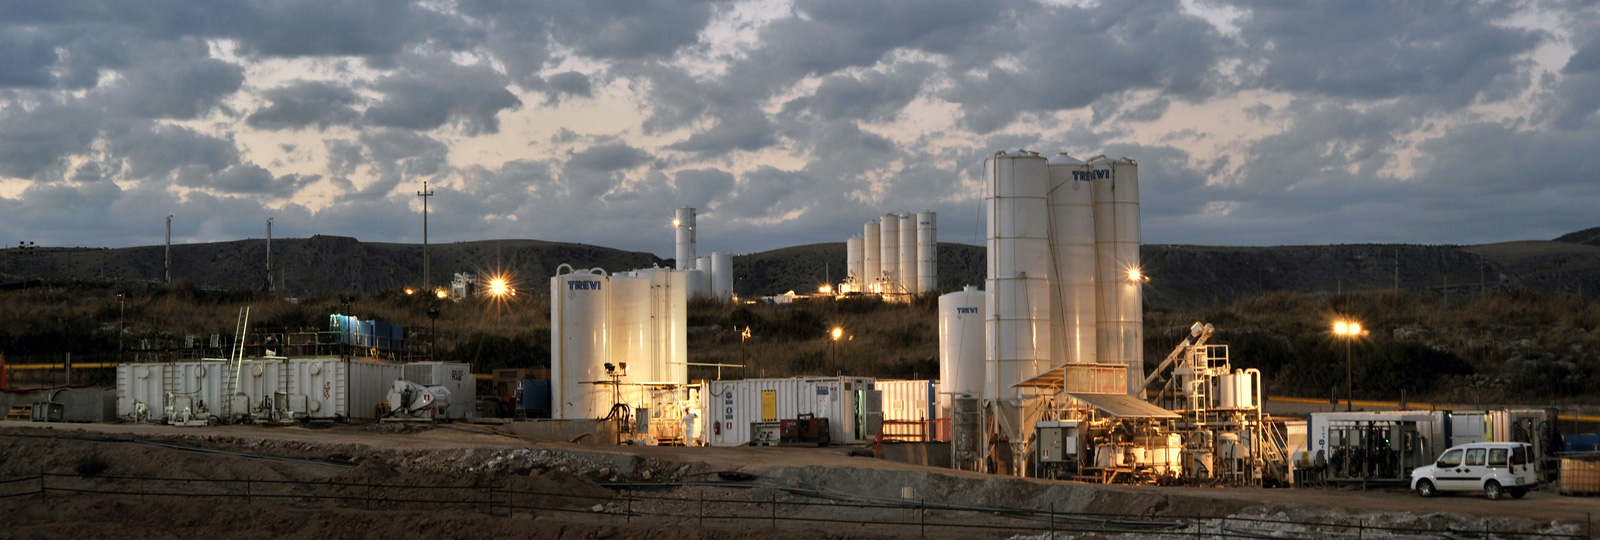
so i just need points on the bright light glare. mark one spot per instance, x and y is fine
(837, 333)
(498, 287)
(825, 289)
(410, 291)
(676, 223)
(1135, 275)
(441, 293)
(1347, 328)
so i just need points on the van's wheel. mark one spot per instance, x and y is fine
(1492, 490)
(1425, 488)
(1518, 493)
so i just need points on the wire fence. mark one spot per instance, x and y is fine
(771, 508)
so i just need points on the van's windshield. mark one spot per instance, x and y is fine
(1450, 459)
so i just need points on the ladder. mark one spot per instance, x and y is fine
(230, 385)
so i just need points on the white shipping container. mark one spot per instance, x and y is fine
(336, 388)
(198, 384)
(909, 400)
(731, 406)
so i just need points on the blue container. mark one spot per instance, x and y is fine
(535, 394)
(1582, 442)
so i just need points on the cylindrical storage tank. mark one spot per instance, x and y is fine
(1246, 393)
(697, 284)
(1017, 312)
(684, 223)
(704, 265)
(722, 276)
(961, 320)
(1227, 388)
(632, 325)
(871, 253)
(927, 252)
(889, 248)
(580, 308)
(1120, 320)
(676, 366)
(852, 263)
(908, 253)
(1072, 303)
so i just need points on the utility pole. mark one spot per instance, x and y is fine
(1396, 269)
(269, 254)
(169, 249)
(425, 193)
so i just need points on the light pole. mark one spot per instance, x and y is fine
(1349, 330)
(425, 194)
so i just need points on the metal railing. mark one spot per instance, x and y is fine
(778, 505)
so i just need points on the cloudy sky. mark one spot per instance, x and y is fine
(789, 122)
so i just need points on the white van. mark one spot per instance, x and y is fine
(1495, 468)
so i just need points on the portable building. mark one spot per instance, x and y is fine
(852, 406)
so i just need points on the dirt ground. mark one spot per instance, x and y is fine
(443, 480)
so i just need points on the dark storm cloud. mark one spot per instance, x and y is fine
(877, 96)
(304, 104)
(25, 58)
(607, 157)
(569, 83)
(177, 80)
(601, 29)
(245, 179)
(36, 142)
(1072, 56)
(432, 93)
(153, 151)
(378, 30)
(1578, 95)
(739, 130)
(699, 187)
(1452, 52)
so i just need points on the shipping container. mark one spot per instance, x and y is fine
(851, 405)
(331, 387)
(201, 386)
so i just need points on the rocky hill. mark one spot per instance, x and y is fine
(1180, 275)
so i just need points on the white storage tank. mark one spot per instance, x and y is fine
(908, 253)
(704, 265)
(871, 253)
(684, 224)
(722, 276)
(853, 264)
(633, 325)
(961, 320)
(927, 252)
(580, 309)
(697, 284)
(1120, 323)
(1072, 245)
(889, 247)
(1018, 287)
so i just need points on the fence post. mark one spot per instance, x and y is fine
(774, 496)
(1052, 520)
(922, 517)
(247, 490)
(369, 494)
(628, 512)
(702, 510)
(41, 483)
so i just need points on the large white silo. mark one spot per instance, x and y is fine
(704, 265)
(871, 253)
(722, 276)
(852, 259)
(927, 252)
(684, 224)
(961, 360)
(908, 253)
(580, 309)
(697, 284)
(668, 308)
(677, 360)
(1018, 286)
(1073, 309)
(633, 332)
(1119, 288)
(889, 247)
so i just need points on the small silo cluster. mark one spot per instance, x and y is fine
(708, 277)
(896, 254)
(1063, 285)
(614, 335)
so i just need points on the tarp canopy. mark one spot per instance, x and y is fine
(1123, 406)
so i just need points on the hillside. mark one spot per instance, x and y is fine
(1586, 236)
(1180, 275)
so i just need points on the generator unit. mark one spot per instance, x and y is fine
(807, 429)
